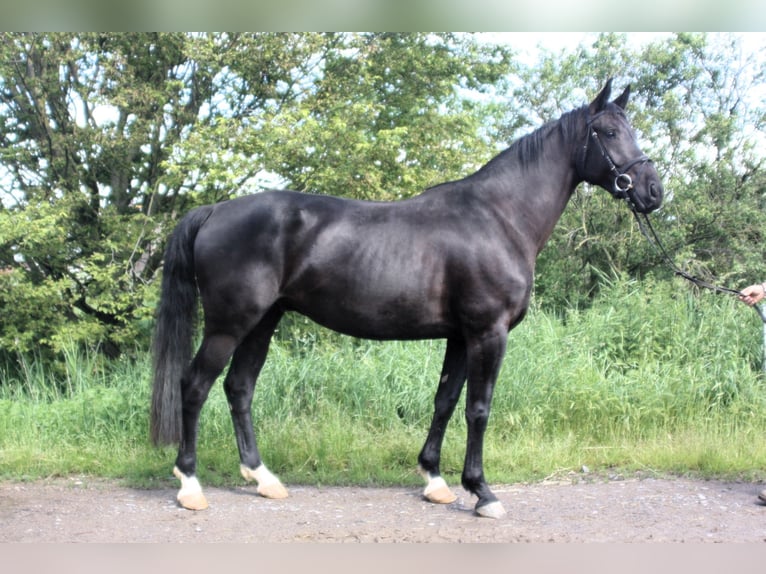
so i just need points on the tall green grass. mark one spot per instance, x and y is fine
(649, 378)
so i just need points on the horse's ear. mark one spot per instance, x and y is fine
(601, 99)
(622, 100)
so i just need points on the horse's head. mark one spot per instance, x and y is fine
(611, 157)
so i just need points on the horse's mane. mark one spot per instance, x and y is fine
(526, 150)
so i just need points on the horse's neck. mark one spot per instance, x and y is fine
(533, 198)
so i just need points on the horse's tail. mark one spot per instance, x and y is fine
(174, 328)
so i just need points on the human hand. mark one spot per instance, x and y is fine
(752, 294)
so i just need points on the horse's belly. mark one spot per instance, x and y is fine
(372, 316)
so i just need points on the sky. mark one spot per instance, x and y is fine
(530, 44)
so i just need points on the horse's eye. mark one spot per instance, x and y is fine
(611, 134)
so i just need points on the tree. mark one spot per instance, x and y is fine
(691, 109)
(106, 139)
(700, 89)
(87, 122)
(390, 115)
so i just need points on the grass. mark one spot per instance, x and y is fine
(645, 380)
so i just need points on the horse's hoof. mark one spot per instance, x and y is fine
(193, 501)
(437, 491)
(190, 496)
(269, 485)
(492, 510)
(275, 491)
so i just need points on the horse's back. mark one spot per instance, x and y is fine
(418, 268)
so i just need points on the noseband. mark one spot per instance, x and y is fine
(623, 183)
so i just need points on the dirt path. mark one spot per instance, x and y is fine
(634, 510)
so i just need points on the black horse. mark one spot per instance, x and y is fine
(455, 262)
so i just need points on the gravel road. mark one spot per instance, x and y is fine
(598, 510)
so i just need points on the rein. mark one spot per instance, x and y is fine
(654, 241)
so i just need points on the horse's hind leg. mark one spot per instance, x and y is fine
(240, 386)
(208, 363)
(453, 377)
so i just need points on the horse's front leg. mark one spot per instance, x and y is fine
(485, 355)
(450, 385)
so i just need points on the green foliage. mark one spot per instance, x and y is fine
(87, 121)
(109, 138)
(644, 359)
(647, 377)
(694, 114)
(388, 117)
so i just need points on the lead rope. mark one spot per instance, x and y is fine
(656, 244)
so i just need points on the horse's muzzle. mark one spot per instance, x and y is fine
(648, 197)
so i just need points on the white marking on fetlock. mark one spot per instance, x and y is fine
(436, 489)
(491, 510)
(269, 485)
(190, 496)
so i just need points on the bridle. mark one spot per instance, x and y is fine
(623, 183)
(623, 189)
